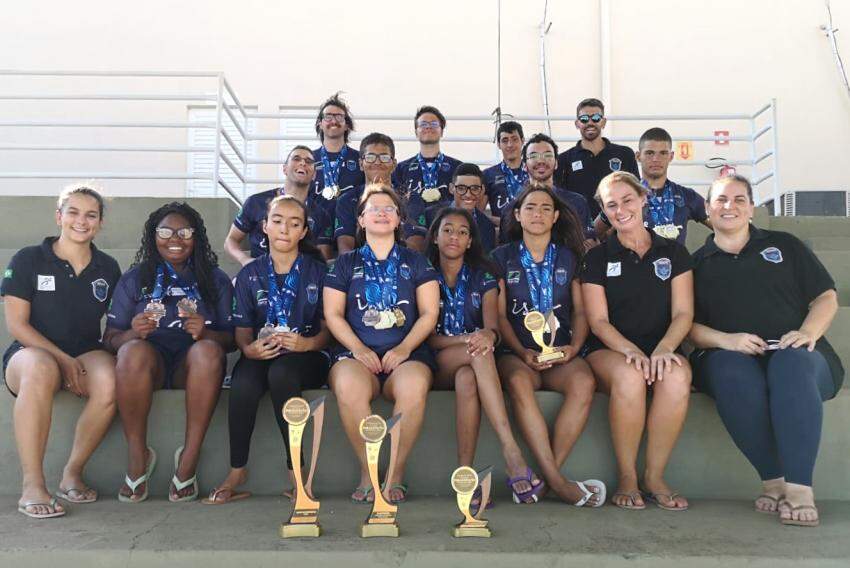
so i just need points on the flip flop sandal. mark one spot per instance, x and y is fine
(653, 498)
(775, 500)
(181, 485)
(134, 483)
(366, 491)
(632, 499)
(234, 496)
(65, 495)
(800, 523)
(533, 493)
(401, 487)
(22, 508)
(588, 494)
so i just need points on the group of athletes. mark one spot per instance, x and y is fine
(385, 278)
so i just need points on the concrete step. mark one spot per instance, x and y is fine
(808, 227)
(837, 262)
(27, 220)
(695, 465)
(711, 534)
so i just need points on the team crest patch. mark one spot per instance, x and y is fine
(351, 165)
(663, 268)
(100, 289)
(357, 273)
(561, 276)
(262, 297)
(513, 277)
(679, 200)
(476, 300)
(615, 164)
(404, 270)
(446, 166)
(772, 254)
(312, 293)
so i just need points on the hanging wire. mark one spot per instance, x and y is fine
(830, 33)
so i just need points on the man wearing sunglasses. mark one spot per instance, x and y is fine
(583, 166)
(423, 180)
(299, 169)
(337, 168)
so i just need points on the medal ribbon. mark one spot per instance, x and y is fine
(513, 181)
(381, 282)
(430, 171)
(453, 303)
(280, 301)
(539, 277)
(330, 169)
(159, 291)
(662, 208)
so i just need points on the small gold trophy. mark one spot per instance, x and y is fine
(465, 481)
(381, 521)
(538, 324)
(303, 522)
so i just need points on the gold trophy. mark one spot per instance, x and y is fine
(303, 522)
(381, 521)
(465, 481)
(538, 324)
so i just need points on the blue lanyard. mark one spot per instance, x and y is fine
(453, 303)
(330, 170)
(159, 291)
(280, 301)
(430, 171)
(381, 283)
(513, 181)
(539, 277)
(661, 209)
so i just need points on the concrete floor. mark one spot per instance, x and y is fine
(245, 534)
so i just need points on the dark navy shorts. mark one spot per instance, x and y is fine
(422, 354)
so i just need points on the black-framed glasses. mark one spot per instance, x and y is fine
(474, 189)
(595, 117)
(184, 233)
(371, 158)
(333, 117)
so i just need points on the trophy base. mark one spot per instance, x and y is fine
(546, 357)
(289, 530)
(480, 532)
(368, 530)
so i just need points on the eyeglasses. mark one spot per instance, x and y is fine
(307, 161)
(428, 124)
(166, 233)
(386, 209)
(595, 117)
(333, 117)
(541, 156)
(462, 189)
(371, 158)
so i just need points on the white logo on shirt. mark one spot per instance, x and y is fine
(46, 283)
(613, 269)
(577, 165)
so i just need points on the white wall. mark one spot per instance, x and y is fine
(666, 57)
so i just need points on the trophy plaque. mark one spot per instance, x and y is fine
(538, 324)
(465, 481)
(304, 520)
(382, 519)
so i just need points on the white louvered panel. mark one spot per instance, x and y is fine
(304, 128)
(203, 163)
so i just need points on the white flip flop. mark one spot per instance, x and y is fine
(133, 483)
(181, 485)
(602, 494)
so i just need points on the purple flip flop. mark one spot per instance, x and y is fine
(532, 493)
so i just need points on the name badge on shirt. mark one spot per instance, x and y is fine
(46, 283)
(613, 269)
(577, 165)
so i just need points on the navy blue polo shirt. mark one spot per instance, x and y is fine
(131, 298)
(687, 205)
(347, 275)
(345, 213)
(518, 298)
(250, 220)
(66, 308)
(486, 227)
(407, 179)
(497, 189)
(350, 176)
(577, 203)
(637, 290)
(251, 296)
(480, 282)
(765, 289)
(580, 171)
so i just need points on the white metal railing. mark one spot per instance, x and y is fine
(229, 109)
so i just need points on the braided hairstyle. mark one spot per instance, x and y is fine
(203, 260)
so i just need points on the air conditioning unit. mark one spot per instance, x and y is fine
(814, 203)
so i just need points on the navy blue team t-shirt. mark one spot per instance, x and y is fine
(407, 179)
(480, 282)
(518, 298)
(347, 275)
(350, 176)
(252, 296)
(497, 189)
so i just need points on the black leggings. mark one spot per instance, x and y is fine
(286, 376)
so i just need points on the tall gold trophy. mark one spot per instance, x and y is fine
(303, 522)
(538, 324)
(465, 481)
(382, 520)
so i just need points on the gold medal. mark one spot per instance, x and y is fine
(400, 318)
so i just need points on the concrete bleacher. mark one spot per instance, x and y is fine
(695, 467)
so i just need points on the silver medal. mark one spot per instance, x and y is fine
(155, 310)
(187, 306)
(267, 331)
(387, 320)
(431, 195)
(330, 192)
(371, 317)
(281, 329)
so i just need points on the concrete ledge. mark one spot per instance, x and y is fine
(705, 463)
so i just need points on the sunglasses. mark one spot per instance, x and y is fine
(166, 233)
(595, 117)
